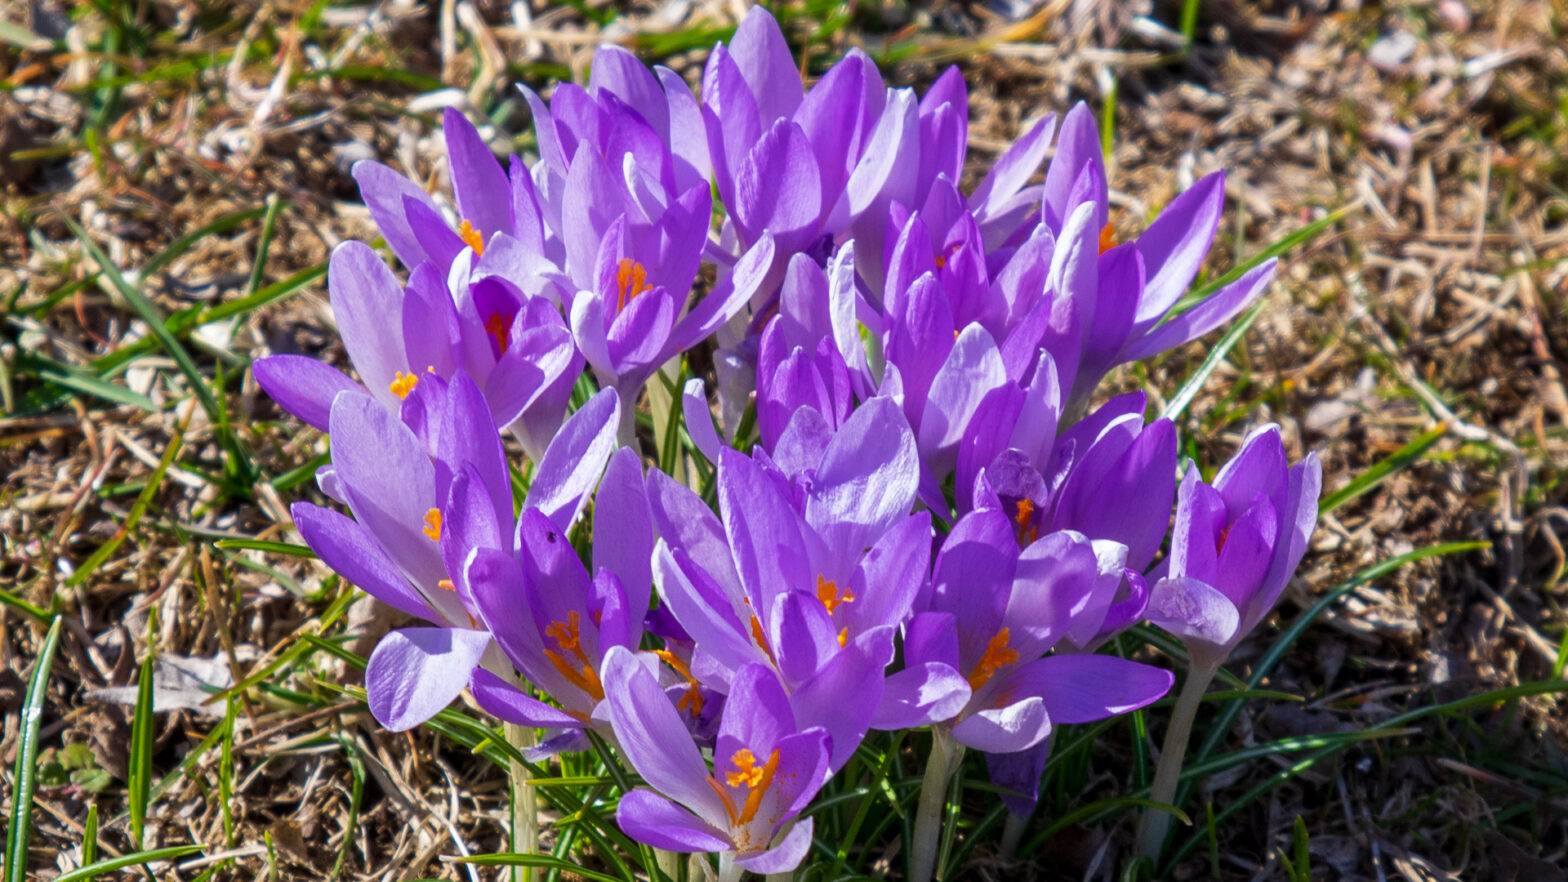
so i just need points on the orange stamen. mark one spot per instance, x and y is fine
(762, 640)
(495, 326)
(403, 384)
(761, 783)
(1027, 532)
(1107, 237)
(827, 592)
(631, 279)
(433, 525)
(843, 637)
(568, 639)
(446, 585)
(471, 237)
(693, 696)
(997, 656)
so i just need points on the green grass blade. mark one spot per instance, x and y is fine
(26, 777)
(1383, 468)
(546, 861)
(1193, 384)
(274, 205)
(287, 548)
(78, 380)
(149, 314)
(140, 858)
(131, 520)
(1274, 249)
(139, 777)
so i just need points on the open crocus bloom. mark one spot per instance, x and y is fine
(766, 769)
(994, 613)
(515, 347)
(1235, 545)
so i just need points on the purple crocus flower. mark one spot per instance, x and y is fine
(993, 614)
(810, 571)
(516, 347)
(555, 623)
(1235, 545)
(766, 770)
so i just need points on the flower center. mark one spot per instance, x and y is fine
(631, 279)
(568, 639)
(693, 697)
(828, 593)
(747, 776)
(495, 326)
(1107, 237)
(1027, 532)
(433, 525)
(997, 656)
(403, 384)
(472, 238)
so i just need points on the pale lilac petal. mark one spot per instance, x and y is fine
(867, 479)
(572, 465)
(1013, 169)
(1008, 729)
(653, 820)
(416, 672)
(354, 554)
(765, 61)
(1219, 308)
(302, 386)
(1083, 688)
(1195, 612)
(1173, 247)
(623, 523)
(510, 704)
(1078, 146)
(479, 185)
(384, 191)
(699, 419)
(366, 298)
(785, 856)
(919, 696)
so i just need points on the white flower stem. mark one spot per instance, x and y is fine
(945, 755)
(1156, 823)
(525, 802)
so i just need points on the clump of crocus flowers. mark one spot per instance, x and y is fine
(910, 514)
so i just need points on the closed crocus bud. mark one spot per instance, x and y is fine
(1234, 546)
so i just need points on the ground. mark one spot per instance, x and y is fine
(174, 174)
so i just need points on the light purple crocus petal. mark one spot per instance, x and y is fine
(1297, 522)
(688, 135)
(1007, 729)
(1174, 245)
(730, 295)
(509, 704)
(1013, 169)
(390, 482)
(383, 191)
(867, 479)
(765, 61)
(702, 608)
(699, 419)
(626, 77)
(653, 820)
(803, 442)
(764, 531)
(572, 465)
(416, 672)
(302, 386)
(685, 521)
(1077, 146)
(1144, 480)
(479, 185)
(1218, 309)
(785, 856)
(1259, 468)
(1197, 613)
(365, 299)
(842, 697)
(623, 524)
(920, 695)
(351, 552)
(469, 436)
(778, 188)
(1083, 688)
(971, 371)
(1247, 553)
(653, 738)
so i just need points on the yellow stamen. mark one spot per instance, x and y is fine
(403, 384)
(446, 584)
(495, 326)
(996, 657)
(1107, 237)
(762, 640)
(693, 697)
(1027, 532)
(631, 279)
(747, 773)
(433, 524)
(763, 781)
(843, 637)
(472, 238)
(827, 592)
(568, 639)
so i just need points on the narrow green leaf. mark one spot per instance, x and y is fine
(140, 858)
(288, 548)
(139, 783)
(1193, 384)
(26, 776)
(78, 380)
(149, 314)
(1383, 468)
(90, 836)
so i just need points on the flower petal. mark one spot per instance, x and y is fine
(416, 672)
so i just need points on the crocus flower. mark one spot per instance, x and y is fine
(994, 613)
(1235, 545)
(810, 571)
(555, 623)
(766, 770)
(516, 347)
